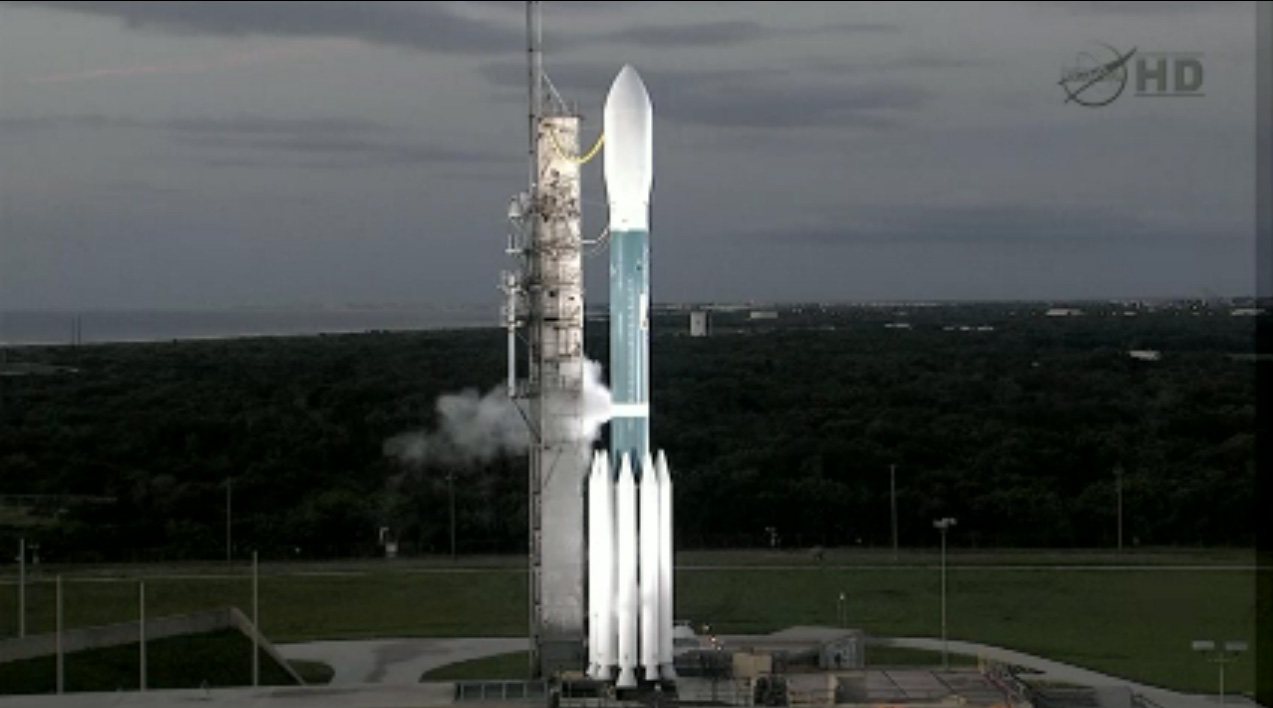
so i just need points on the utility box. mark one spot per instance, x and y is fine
(844, 652)
(748, 665)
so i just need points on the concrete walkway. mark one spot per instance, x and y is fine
(366, 696)
(396, 661)
(384, 673)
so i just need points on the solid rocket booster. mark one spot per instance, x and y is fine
(629, 175)
(665, 654)
(650, 586)
(628, 561)
(595, 564)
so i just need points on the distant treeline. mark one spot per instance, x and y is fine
(790, 424)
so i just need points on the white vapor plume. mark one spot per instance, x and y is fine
(596, 403)
(475, 428)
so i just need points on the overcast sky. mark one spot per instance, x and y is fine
(214, 154)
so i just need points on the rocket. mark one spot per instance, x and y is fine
(629, 176)
(630, 529)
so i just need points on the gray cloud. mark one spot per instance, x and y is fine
(710, 34)
(825, 155)
(990, 225)
(1131, 7)
(352, 151)
(258, 125)
(763, 98)
(779, 105)
(424, 26)
(324, 143)
(22, 125)
(318, 142)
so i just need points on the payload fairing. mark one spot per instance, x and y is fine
(630, 495)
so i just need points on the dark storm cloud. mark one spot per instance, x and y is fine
(996, 224)
(425, 26)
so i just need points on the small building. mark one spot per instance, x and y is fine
(1145, 354)
(1063, 312)
(764, 314)
(700, 324)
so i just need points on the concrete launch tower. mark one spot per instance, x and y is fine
(544, 314)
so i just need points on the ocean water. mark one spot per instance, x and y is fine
(31, 327)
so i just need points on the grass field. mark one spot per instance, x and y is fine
(1135, 623)
(218, 659)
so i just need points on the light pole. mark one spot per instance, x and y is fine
(1118, 485)
(256, 622)
(229, 482)
(1221, 653)
(892, 492)
(22, 588)
(450, 490)
(141, 635)
(943, 525)
(58, 642)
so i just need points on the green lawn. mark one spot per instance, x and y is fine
(1132, 623)
(501, 666)
(219, 659)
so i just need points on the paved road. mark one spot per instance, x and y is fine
(1057, 671)
(396, 661)
(383, 673)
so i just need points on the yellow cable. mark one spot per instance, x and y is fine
(552, 135)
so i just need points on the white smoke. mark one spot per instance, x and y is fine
(475, 428)
(596, 403)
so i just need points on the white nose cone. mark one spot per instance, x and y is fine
(629, 157)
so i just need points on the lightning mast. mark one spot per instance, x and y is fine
(544, 314)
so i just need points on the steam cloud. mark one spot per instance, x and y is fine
(474, 428)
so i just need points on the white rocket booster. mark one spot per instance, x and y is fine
(595, 567)
(626, 614)
(650, 569)
(665, 568)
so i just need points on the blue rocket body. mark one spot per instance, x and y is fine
(630, 343)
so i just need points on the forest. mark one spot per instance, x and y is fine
(1018, 424)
